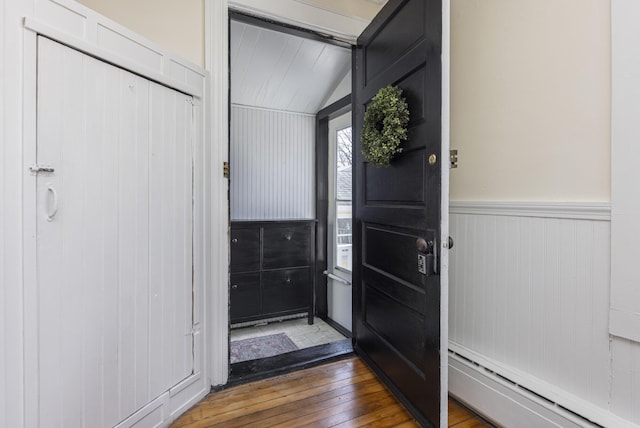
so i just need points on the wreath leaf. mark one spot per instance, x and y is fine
(385, 126)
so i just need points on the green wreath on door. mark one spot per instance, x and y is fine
(385, 126)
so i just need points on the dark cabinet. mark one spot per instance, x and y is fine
(272, 266)
(285, 289)
(245, 249)
(286, 245)
(245, 288)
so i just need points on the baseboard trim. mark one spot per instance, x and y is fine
(507, 399)
(598, 211)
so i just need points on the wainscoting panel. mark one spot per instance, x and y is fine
(529, 293)
(625, 377)
(272, 164)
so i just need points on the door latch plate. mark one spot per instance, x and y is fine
(422, 263)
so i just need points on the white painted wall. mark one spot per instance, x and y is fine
(530, 100)
(272, 164)
(176, 26)
(74, 25)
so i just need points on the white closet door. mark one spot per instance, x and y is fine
(114, 239)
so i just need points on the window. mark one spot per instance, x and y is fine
(343, 229)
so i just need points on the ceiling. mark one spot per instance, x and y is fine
(279, 71)
(364, 9)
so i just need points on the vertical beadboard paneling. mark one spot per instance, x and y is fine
(128, 241)
(272, 164)
(109, 221)
(625, 395)
(115, 264)
(531, 293)
(4, 318)
(93, 333)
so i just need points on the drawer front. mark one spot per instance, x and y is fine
(286, 290)
(286, 246)
(245, 250)
(244, 296)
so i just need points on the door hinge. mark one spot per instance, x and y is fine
(453, 158)
(225, 169)
(35, 169)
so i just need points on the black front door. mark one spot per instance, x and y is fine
(397, 211)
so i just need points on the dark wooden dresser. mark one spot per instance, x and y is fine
(272, 269)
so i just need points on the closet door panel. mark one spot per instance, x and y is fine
(114, 262)
(133, 241)
(60, 304)
(170, 221)
(170, 231)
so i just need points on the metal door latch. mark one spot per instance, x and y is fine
(453, 158)
(35, 169)
(427, 257)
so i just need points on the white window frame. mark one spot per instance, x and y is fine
(336, 124)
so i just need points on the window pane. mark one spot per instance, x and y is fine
(343, 235)
(343, 199)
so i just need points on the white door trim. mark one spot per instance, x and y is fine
(625, 132)
(217, 114)
(444, 211)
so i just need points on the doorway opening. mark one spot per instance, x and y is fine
(281, 80)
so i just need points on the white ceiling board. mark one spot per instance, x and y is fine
(281, 71)
(309, 16)
(362, 9)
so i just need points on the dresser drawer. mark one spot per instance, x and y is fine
(285, 246)
(286, 290)
(245, 296)
(245, 249)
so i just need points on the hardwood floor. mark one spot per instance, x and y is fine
(340, 394)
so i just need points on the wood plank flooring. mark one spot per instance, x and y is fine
(340, 394)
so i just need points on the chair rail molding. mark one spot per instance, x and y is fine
(566, 210)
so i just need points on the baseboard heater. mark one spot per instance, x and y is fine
(504, 401)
